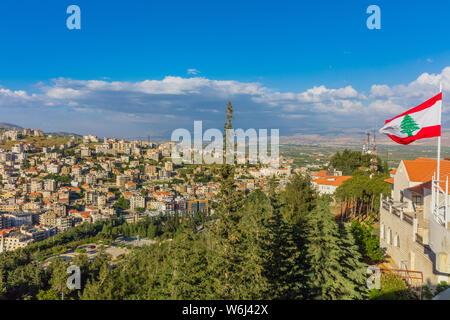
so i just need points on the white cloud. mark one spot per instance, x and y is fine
(192, 71)
(396, 99)
(177, 101)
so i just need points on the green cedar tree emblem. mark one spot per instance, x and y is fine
(408, 125)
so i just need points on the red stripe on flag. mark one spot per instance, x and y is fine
(427, 104)
(426, 132)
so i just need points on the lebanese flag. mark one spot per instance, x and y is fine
(423, 121)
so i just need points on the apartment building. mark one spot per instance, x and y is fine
(14, 240)
(151, 170)
(51, 219)
(137, 201)
(121, 180)
(414, 236)
(17, 219)
(54, 168)
(196, 205)
(49, 185)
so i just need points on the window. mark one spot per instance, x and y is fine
(417, 200)
(389, 236)
(397, 241)
(382, 231)
(412, 260)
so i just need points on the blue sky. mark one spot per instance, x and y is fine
(267, 56)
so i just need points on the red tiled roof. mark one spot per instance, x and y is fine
(422, 170)
(6, 231)
(321, 173)
(332, 180)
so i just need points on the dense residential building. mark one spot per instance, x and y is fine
(51, 219)
(137, 202)
(13, 240)
(49, 189)
(121, 180)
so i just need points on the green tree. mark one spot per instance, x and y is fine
(226, 247)
(58, 276)
(190, 272)
(298, 199)
(361, 195)
(256, 241)
(284, 264)
(348, 161)
(368, 243)
(49, 294)
(122, 204)
(333, 270)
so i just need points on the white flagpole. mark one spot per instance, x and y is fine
(438, 158)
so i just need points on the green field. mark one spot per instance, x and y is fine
(304, 155)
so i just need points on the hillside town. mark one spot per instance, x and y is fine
(50, 184)
(47, 190)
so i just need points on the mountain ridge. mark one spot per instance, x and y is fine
(9, 126)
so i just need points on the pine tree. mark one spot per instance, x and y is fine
(58, 279)
(104, 287)
(49, 294)
(333, 269)
(298, 199)
(356, 270)
(225, 246)
(284, 262)
(190, 267)
(256, 236)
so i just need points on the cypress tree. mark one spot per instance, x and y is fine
(225, 245)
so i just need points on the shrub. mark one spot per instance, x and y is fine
(392, 288)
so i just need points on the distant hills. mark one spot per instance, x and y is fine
(336, 139)
(9, 126)
(355, 139)
(64, 134)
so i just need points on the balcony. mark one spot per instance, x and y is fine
(414, 218)
(397, 208)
